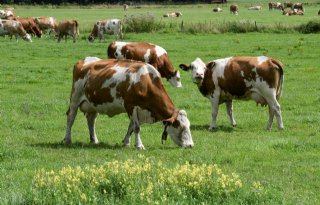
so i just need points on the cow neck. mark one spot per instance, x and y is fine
(206, 86)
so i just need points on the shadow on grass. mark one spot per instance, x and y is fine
(221, 128)
(78, 145)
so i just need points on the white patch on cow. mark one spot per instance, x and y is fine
(218, 71)
(160, 51)
(262, 59)
(146, 56)
(90, 59)
(176, 80)
(242, 73)
(119, 46)
(51, 21)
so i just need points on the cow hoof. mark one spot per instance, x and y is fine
(234, 125)
(67, 142)
(212, 129)
(140, 147)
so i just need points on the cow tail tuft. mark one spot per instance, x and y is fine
(77, 27)
(281, 78)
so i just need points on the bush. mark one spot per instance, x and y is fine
(142, 23)
(310, 27)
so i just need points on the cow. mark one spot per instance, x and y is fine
(125, 7)
(29, 25)
(67, 27)
(255, 8)
(116, 86)
(275, 5)
(149, 53)
(13, 28)
(293, 12)
(298, 6)
(108, 26)
(46, 23)
(287, 5)
(234, 9)
(173, 14)
(243, 78)
(4, 14)
(217, 9)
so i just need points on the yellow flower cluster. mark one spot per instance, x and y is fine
(141, 180)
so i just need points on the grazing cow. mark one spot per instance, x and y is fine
(109, 26)
(275, 5)
(29, 25)
(255, 8)
(173, 14)
(217, 9)
(67, 27)
(46, 23)
(222, 80)
(298, 6)
(234, 9)
(149, 53)
(4, 14)
(116, 86)
(13, 28)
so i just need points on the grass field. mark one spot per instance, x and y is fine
(35, 85)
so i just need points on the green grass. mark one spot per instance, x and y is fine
(35, 85)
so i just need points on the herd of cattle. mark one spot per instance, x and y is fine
(291, 8)
(130, 81)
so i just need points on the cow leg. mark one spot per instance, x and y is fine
(74, 38)
(71, 115)
(229, 106)
(126, 140)
(215, 109)
(138, 142)
(91, 120)
(274, 109)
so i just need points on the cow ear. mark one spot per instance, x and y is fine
(184, 67)
(210, 65)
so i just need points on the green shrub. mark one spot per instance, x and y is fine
(142, 23)
(310, 27)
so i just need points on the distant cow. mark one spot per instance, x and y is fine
(298, 6)
(67, 27)
(173, 14)
(108, 26)
(217, 9)
(125, 7)
(275, 5)
(115, 86)
(255, 8)
(287, 5)
(256, 78)
(46, 23)
(4, 14)
(234, 9)
(149, 53)
(293, 12)
(29, 25)
(13, 28)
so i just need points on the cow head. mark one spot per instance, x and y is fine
(175, 80)
(178, 127)
(27, 38)
(94, 33)
(197, 68)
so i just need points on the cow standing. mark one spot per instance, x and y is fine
(115, 86)
(256, 78)
(67, 27)
(46, 23)
(29, 25)
(149, 53)
(234, 9)
(13, 28)
(108, 26)
(275, 5)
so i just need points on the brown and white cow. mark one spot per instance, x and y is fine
(29, 25)
(275, 5)
(67, 27)
(255, 8)
(116, 86)
(149, 53)
(293, 12)
(13, 28)
(298, 6)
(108, 26)
(287, 5)
(125, 7)
(256, 78)
(173, 14)
(217, 9)
(46, 23)
(234, 9)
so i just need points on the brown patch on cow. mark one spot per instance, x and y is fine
(29, 25)
(207, 86)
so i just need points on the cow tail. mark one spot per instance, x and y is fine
(77, 27)
(281, 78)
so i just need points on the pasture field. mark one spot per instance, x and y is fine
(35, 86)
